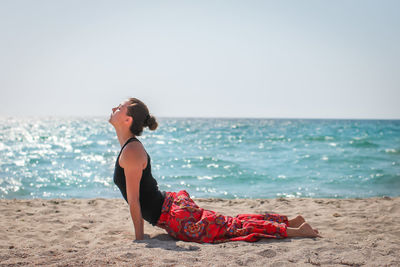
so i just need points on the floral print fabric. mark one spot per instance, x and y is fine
(184, 220)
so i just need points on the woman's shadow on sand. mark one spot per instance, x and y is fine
(166, 242)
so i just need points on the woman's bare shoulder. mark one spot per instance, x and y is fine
(133, 153)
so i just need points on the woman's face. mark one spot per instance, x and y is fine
(118, 114)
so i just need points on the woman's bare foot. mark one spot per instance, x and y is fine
(305, 230)
(296, 222)
(308, 231)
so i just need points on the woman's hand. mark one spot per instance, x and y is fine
(144, 238)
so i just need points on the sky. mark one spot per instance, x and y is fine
(234, 59)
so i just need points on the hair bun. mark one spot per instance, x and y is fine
(151, 122)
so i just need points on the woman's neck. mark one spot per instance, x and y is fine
(123, 136)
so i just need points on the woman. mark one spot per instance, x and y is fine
(175, 212)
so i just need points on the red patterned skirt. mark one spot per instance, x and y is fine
(184, 220)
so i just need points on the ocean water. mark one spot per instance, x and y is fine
(224, 158)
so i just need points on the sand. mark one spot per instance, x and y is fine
(99, 232)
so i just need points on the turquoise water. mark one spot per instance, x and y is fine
(225, 158)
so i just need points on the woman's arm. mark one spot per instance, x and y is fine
(137, 220)
(132, 163)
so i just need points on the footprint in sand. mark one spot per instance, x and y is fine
(130, 255)
(269, 253)
(170, 261)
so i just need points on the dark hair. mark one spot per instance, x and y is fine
(141, 117)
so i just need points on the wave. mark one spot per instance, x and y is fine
(363, 143)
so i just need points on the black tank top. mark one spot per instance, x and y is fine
(150, 197)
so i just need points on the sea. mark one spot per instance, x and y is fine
(74, 157)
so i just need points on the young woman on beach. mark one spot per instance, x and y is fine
(176, 212)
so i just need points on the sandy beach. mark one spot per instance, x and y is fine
(99, 232)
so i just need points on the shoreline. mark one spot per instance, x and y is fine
(99, 232)
(202, 198)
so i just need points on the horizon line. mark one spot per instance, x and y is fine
(191, 117)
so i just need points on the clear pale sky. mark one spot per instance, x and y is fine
(262, 59)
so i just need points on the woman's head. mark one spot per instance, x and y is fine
(133, 114)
